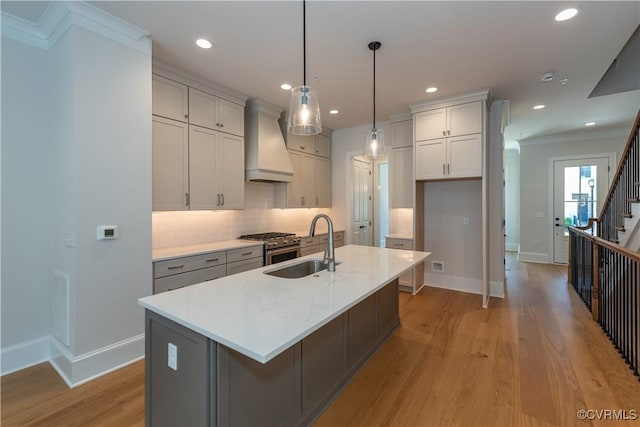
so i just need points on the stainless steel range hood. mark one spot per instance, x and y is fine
(266, 156)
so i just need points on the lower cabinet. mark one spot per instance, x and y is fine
(318, 243)
(407, 280)
(213, 385)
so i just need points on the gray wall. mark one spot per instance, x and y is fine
(535, 155)
(512, 199)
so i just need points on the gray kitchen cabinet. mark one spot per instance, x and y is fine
(165, 402)
(301, 143)
(309, 245)
(402, 132)
(322, 183)
(203, 169)
(216, 169)
(401, 165)
(322, 145)
(311, 185)
(318, 243)
(213, 112)
(217, 386)
(169, 99)
(448, 142)
(188, 270)
(407, 280)
(170, 160)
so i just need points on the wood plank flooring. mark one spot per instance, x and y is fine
(533, 358)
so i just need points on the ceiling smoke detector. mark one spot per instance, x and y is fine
(548, 76)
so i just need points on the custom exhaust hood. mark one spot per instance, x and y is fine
(266, 156)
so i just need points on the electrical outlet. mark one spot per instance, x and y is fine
(466, 220)
(172, 356)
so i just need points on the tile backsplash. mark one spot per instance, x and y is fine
(402, 221)
(179, 228)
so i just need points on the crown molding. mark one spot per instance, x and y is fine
(59, 16)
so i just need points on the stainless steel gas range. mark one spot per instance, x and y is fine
(278, 247)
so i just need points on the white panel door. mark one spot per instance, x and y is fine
(362, 202)
(579, 187)
(170, 164)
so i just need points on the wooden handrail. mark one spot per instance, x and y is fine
(605, 243)
(588, 226)
(634, 131)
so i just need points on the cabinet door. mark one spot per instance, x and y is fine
(230, 168)
(430, 159)
(465, 156)
(308, 176)
(402, 177)
(306, 144)
(170, 165)
(322, 183)
(295, 187)
(203, 109)
(402, 134)
(464, 119)
(202, 168)
(322, 146)
(231, 117)
(169, 99)
(431, 124)
(245, 265)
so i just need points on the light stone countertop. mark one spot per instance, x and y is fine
(260, 315)
(180, 251)
(399, 236)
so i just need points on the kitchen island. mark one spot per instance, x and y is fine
(254, 349)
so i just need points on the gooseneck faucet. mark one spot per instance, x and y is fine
(329, 254)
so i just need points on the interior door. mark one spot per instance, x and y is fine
(579, 185)
(362, 172)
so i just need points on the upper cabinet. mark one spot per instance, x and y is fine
(449, 141)
(170, 99)
(401, 162)
(319, 145)
(213, 112)
(198, 149)
(402, 133)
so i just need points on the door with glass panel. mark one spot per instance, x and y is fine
(579, 187)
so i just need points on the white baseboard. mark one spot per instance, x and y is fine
(20, 356)
(512, 247)
(533, 257)
(74, 370)
(462, 284)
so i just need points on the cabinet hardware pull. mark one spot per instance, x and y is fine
(174, 267)
(186, 116)
(398, 244)
(443, 133)
(302, 200)
(316, 201)
(448, 132)
(218, 124)
(222, 199)
(211, 260)
(448, 168)
(187, 199)
(218, 199)
(302, 147)
(221, 125)
(247, 253)
(443, 169)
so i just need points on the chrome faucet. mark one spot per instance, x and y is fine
(329, 254)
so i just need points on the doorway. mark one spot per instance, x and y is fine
(362, 196)
(579, 187)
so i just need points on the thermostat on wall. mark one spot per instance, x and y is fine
(107, 232)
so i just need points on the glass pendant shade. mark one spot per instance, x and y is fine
(373, 143)
(304, 112)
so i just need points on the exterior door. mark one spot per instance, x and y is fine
(579, 187)
(361, 215)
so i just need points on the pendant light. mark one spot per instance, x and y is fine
(304, 109)
(374, 141)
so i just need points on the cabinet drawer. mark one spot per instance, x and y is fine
(308, 250)
(244, 265)
(308, 241)
(400, 244)
(323, 239)
(185, 264)
(244, 253)
(176, 281)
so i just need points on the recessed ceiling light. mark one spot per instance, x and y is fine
(285, 86)
(590, 123)
(204, 43)
(431, 89)
(333, 111)
(566, 14)
(564, 81)
(539, 107)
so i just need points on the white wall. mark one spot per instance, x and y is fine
(26, 195)
(534, 181)
(512, 199)
(77, 144)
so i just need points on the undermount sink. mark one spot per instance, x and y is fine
(301, 269)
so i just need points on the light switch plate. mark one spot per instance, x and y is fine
(172, 356)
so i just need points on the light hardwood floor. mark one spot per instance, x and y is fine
(532, 358)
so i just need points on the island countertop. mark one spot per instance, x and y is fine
(260, 315)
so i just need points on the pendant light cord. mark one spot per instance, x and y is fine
(304, 43)
(374, 89)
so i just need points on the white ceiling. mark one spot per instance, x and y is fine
(457, 46)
